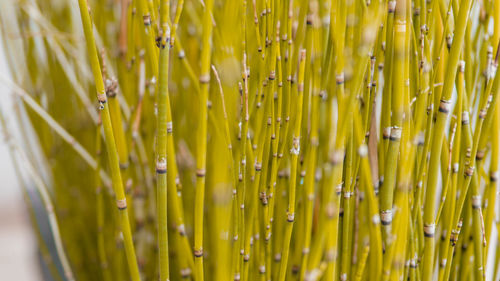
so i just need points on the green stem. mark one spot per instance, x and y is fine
(121, 202)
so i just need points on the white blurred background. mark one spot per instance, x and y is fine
(18, 255)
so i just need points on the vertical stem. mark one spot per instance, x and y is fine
(387, 189)
(201, 143)
(293, 169)
(100, 211)
(161, 150)
(437, 138)
(121, 202)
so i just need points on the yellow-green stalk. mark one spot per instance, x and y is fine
(438, 133)
(161, 149)
(294, 154)
(103, 260)
(387, 188)
(117, 183)
(201, 143)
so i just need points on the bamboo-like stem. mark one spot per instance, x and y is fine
(202, 141)
(103, 260)
(364, 110)
(178, 12)
(242, 174)
(362, 263)
(110, 142)
(275, 133)
(332, 251)
(151, 51)
(387, 89)
(295, 150)
(472, 143)
(187, 262)
(387, 189)
(442, 116)
(161, 154)
(111, 88)
(375, 258)
(313, 141)
(447, 252)
(490, 196)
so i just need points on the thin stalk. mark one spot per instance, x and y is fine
(294, 153)
(117, 183)
(455, 158)
(201, 143)
(101, 247)
(441, 119)
(387, 189)
(161, 154)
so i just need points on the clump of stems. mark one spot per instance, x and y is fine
(314, 140)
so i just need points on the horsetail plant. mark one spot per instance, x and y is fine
(314, 140)
(111, 146)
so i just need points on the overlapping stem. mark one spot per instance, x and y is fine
(316, 106)
(437, 138)
(117, 183)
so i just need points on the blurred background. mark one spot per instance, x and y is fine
(19, 255)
